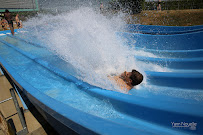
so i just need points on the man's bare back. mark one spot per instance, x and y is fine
(122, 84)
(8, 16)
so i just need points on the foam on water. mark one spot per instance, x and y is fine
(56, 87)
(87, 40)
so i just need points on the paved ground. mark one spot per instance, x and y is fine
(10, 114)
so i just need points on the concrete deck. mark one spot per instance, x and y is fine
(10, 114)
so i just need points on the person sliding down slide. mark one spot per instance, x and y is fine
(127, 80)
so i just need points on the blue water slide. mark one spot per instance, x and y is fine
(175, 63)
(93, 110)
(188, 41)
(161, 30)
(173, 53)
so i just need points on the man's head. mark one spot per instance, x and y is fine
(132, 78)
(136, 77)
(6, 11)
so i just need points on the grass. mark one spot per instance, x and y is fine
(168, 17)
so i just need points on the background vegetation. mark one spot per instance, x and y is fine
(168, 17)
(174, 13)
(174, 5)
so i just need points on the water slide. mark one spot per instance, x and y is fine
(161, 30)
(170, 101)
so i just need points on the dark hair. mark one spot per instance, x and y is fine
(6, 11)
(136, 77)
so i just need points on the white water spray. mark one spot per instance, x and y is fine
(87, 40)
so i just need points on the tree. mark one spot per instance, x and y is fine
(131, 6)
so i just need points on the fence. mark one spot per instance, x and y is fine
(19, 5)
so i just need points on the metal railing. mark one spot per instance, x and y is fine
(19, 5)
(24, 131)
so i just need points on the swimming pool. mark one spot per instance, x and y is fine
(169, 102)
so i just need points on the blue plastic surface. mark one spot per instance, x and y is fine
(162, 30)
(187, 41)
(78, 104)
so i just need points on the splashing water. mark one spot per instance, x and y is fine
(87, 40)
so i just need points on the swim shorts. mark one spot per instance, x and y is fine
(18, 24)
(10, 22)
